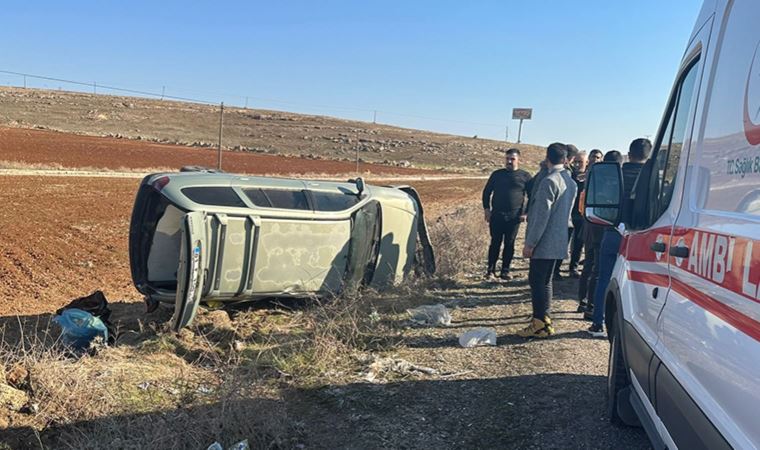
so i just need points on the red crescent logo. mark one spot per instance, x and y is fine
(751, 129)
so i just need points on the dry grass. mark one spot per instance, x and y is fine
(460, 238)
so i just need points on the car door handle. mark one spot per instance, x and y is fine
(658, 247)
(679, 251)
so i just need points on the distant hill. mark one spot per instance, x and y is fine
(251, 130)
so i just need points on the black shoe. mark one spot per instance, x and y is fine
(588, 314)
(596, 330)
(582, 306)
(505, 276)
(490, 275)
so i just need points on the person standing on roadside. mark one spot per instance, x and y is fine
(638, 153)
(576, 239)
(503, 206)
(546, 236)
(572, 153)
(589, 252)
(594, 239)
(594, 156)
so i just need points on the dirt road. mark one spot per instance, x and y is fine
(536, 394)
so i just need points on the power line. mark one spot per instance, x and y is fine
(110, 88)
(163, 95)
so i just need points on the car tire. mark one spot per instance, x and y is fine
(617, 372)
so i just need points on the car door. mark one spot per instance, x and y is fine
(191, 269)
(646, 261)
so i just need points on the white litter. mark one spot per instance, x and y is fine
(430, 315)
(478, 337)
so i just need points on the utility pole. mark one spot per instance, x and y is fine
(246, 103)
(506, 132)
(163, 91)
(357, 157)
(374, 117)
(94, 87)
(519, 131)
(221, 125)
(24, 81)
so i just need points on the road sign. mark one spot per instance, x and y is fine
(522, 113)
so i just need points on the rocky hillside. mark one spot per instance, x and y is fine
(251, 130)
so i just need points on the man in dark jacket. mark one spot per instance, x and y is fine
(638, 153)
(503, 207)
(594, 243)
(576, 237)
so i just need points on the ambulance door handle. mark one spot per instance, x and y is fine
(658, 247)
(679, 251)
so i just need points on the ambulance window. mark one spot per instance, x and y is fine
(672, 141)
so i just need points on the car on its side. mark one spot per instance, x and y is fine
(198, 237)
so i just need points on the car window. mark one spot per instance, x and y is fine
(672, 141)
(278, 198)
(214, 195)
(332, 201)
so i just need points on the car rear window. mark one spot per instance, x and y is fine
(278, 198)
(331, 201)
(214, 195)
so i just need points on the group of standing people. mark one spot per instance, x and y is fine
(550, 204)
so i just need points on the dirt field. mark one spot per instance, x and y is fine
(250, 130)
(39, 148)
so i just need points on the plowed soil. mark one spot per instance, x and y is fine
(49, 148)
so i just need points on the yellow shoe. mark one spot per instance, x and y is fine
(537, 328)
(549, 326)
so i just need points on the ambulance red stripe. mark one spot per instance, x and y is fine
(741, 322)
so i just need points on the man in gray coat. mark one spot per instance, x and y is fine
(546, 236)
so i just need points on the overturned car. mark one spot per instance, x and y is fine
(215, 237)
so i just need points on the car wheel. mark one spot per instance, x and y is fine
(617, 372)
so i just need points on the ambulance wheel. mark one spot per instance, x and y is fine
(617, 374)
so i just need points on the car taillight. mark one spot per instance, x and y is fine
(160, 183)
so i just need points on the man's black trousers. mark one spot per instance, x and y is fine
(540, 280)
(503, 230)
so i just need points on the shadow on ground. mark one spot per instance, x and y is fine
(532, 411)
(522, 412)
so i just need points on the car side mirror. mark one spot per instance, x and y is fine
(603, 194)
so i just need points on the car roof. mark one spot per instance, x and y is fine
(187, 179)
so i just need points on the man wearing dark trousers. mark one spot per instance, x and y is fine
(576, 238)
(638, 153)
(503, 206)
(546, 236)
(572, 153)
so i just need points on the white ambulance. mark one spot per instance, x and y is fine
(683, 305)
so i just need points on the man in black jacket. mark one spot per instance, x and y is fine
(638, 153)
(504, 205)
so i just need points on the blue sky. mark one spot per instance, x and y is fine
(597, 73)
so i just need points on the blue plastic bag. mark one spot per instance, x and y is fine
(79, 328)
